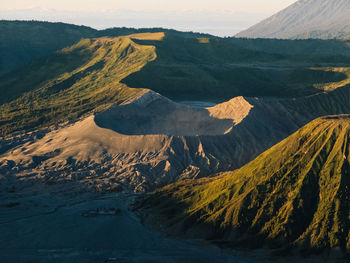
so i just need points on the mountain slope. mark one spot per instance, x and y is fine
(220, 69)
(294, 194)
(306, 19)
(98, 72)
(23, 41)
(148, 141)
(75, 80)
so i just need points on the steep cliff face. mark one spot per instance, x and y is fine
(306, 19)
(294, 194)
(150, 141)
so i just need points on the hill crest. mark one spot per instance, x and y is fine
(79, 79)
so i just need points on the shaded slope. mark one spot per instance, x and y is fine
(22, 41)
(152, 114)
(294, 194)
(306, 19)
(220, 69)
(183, 66)
(149, 141)
(333, 49)
(74, 81)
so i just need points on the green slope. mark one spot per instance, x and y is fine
(191, 66)
(79, 79)
(22, 41)
(334, 49)
(219, 69)
(182, 66)
(294, 194)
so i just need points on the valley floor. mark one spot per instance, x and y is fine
(47, 224)
(60, 223)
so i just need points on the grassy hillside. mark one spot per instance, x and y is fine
(192, 66)
(219, 69)
(182, 66)
(335, 48)
(75, 80)
(22, 41)
(294, 194)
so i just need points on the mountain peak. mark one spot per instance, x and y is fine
(306, 19)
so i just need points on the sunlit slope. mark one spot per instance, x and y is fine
(22, 41)
(182, 66)
(337, 84)
(305, 19)
(219, 69)
(294, 194)
(74, 81)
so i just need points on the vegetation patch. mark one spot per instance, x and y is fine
(76, 80)
(216, 69)
(295, 194)
(98, 72)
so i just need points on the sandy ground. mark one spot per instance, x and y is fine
(45, 224)
(148, 142)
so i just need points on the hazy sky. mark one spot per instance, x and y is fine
(251, 6)
(218, 17)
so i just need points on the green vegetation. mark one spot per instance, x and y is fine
(87, 76)
(334, 50)
(334, 85)
(76, 80)
(210, 68)
(22, 41)
(295, 194)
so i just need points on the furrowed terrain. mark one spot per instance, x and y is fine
(150, 141)
(294, 195)
(85, 126)
(135, 139)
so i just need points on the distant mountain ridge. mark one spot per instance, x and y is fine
(306, 19)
